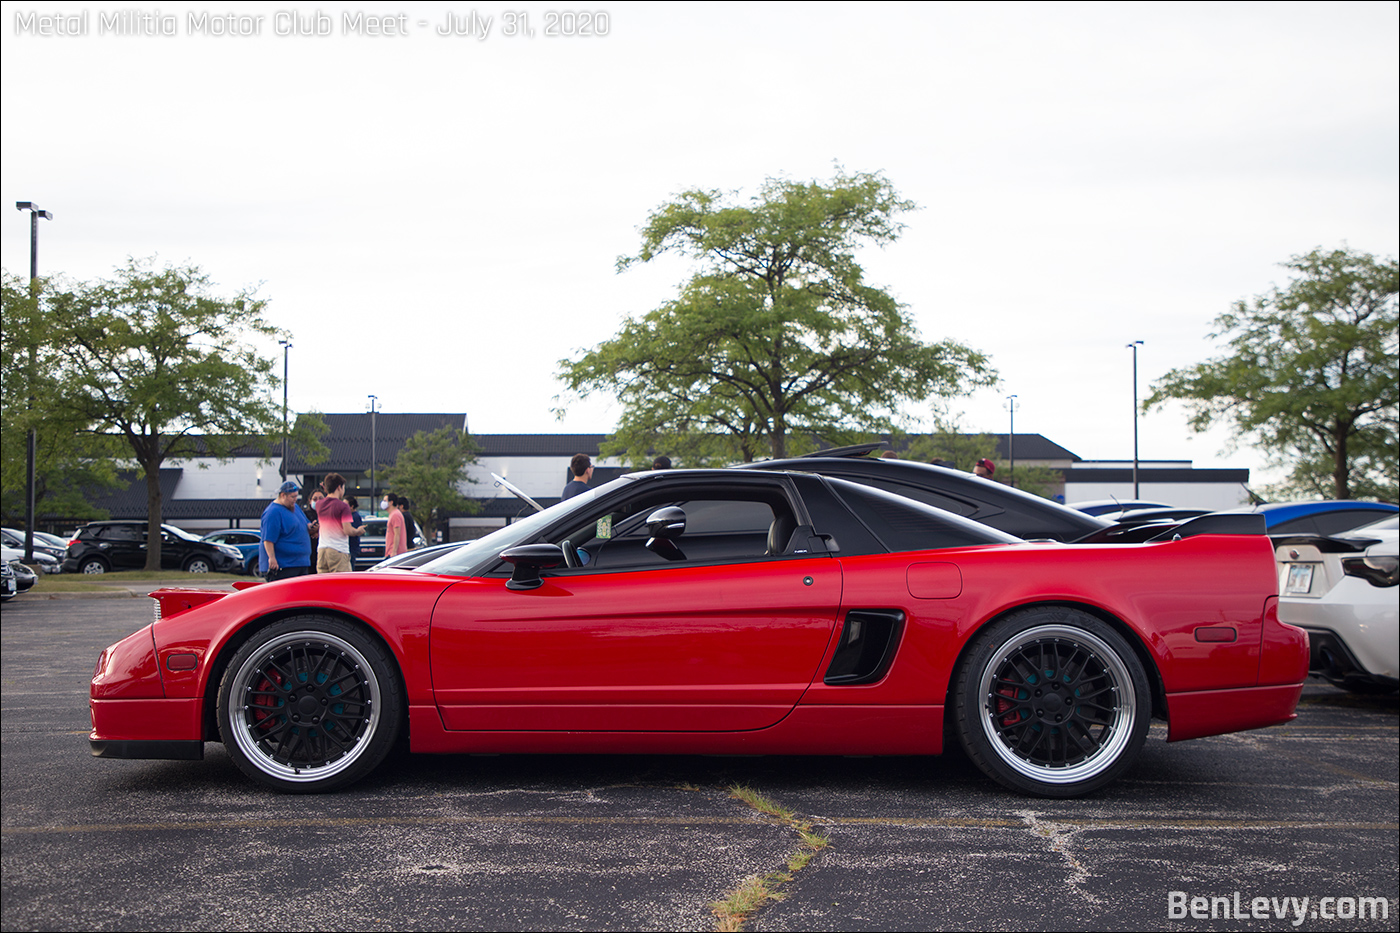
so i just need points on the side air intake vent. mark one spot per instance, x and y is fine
(868, 642)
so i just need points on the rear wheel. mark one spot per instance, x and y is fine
(310, 704)
(1052, 702)
(93, 565)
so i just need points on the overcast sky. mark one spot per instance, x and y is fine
(436, 219)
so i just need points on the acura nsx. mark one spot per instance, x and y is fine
(723, 612)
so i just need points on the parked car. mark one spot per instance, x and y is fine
(23, 577)
(1342, 590)
(722, 612)
(100, 547)
(9, 585)
(1105, 506)
(418, 556)
(372, 542)
(43, 544)
(1140, 516)
(1322, 517)
(248, 541)
(982, 500)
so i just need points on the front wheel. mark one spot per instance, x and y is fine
(1052, 702)
(310, 704)
(198, 565)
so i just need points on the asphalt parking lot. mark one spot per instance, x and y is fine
(1238, 830)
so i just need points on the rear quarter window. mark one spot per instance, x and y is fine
(904, 525)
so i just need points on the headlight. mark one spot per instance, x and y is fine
(230, 551)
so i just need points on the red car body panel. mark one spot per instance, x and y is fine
(730, 659)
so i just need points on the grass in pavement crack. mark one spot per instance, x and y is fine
(758, 890)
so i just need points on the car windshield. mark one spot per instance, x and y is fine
(467, 558)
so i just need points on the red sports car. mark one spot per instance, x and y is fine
(723, 612)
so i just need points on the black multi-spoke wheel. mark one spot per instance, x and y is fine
(1052, 702)
(309, 704)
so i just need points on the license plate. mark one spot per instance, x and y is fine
(1299, 581)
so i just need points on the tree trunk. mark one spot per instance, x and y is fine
(1341, 482)
(153, 518)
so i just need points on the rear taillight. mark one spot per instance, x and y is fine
(1377, 571)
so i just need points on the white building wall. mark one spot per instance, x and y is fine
(536, 476)
(239, 478)
(1213, 496)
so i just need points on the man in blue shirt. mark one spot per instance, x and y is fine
(286, 538)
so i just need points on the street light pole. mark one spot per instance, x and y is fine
(32, 440)
(1011, 442)
(1134, 347)
(373, 452)
(286, 345)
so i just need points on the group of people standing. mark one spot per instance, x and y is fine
(320, 537)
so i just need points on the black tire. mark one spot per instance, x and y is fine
(198, 564)
(329, 729)
(1052, 702)
(93, 565)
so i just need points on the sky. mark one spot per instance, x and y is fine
(436, 219)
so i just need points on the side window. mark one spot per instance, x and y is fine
(717, 530)
(122, 533)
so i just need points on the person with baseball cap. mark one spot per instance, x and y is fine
(286, 537)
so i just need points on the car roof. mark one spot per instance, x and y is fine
(1000, 506)
(1275, 512)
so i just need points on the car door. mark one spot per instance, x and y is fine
(725, 638)
(124, 545)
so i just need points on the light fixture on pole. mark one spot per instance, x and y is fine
(286, 345)
(1134, 347)
(1011, 441)
(32, 443)
(373, 409)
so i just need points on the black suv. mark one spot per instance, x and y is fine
(102, 546)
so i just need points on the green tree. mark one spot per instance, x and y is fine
(430, 470)
(69, 464)
(951, 443)
(153, 357)
(1310, 376)
(776, 339)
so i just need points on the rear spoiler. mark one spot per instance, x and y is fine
(1217, 523)
(1325, 545)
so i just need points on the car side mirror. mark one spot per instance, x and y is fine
(665, 525)
(528, 560)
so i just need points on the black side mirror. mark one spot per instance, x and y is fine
(528, 560)
(665, 525)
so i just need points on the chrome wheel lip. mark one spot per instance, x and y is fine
(1120, 730)
(243, 732)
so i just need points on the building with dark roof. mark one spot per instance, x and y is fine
(203, 494)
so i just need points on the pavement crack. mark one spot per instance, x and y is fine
(1059, 839)
(757, 891)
